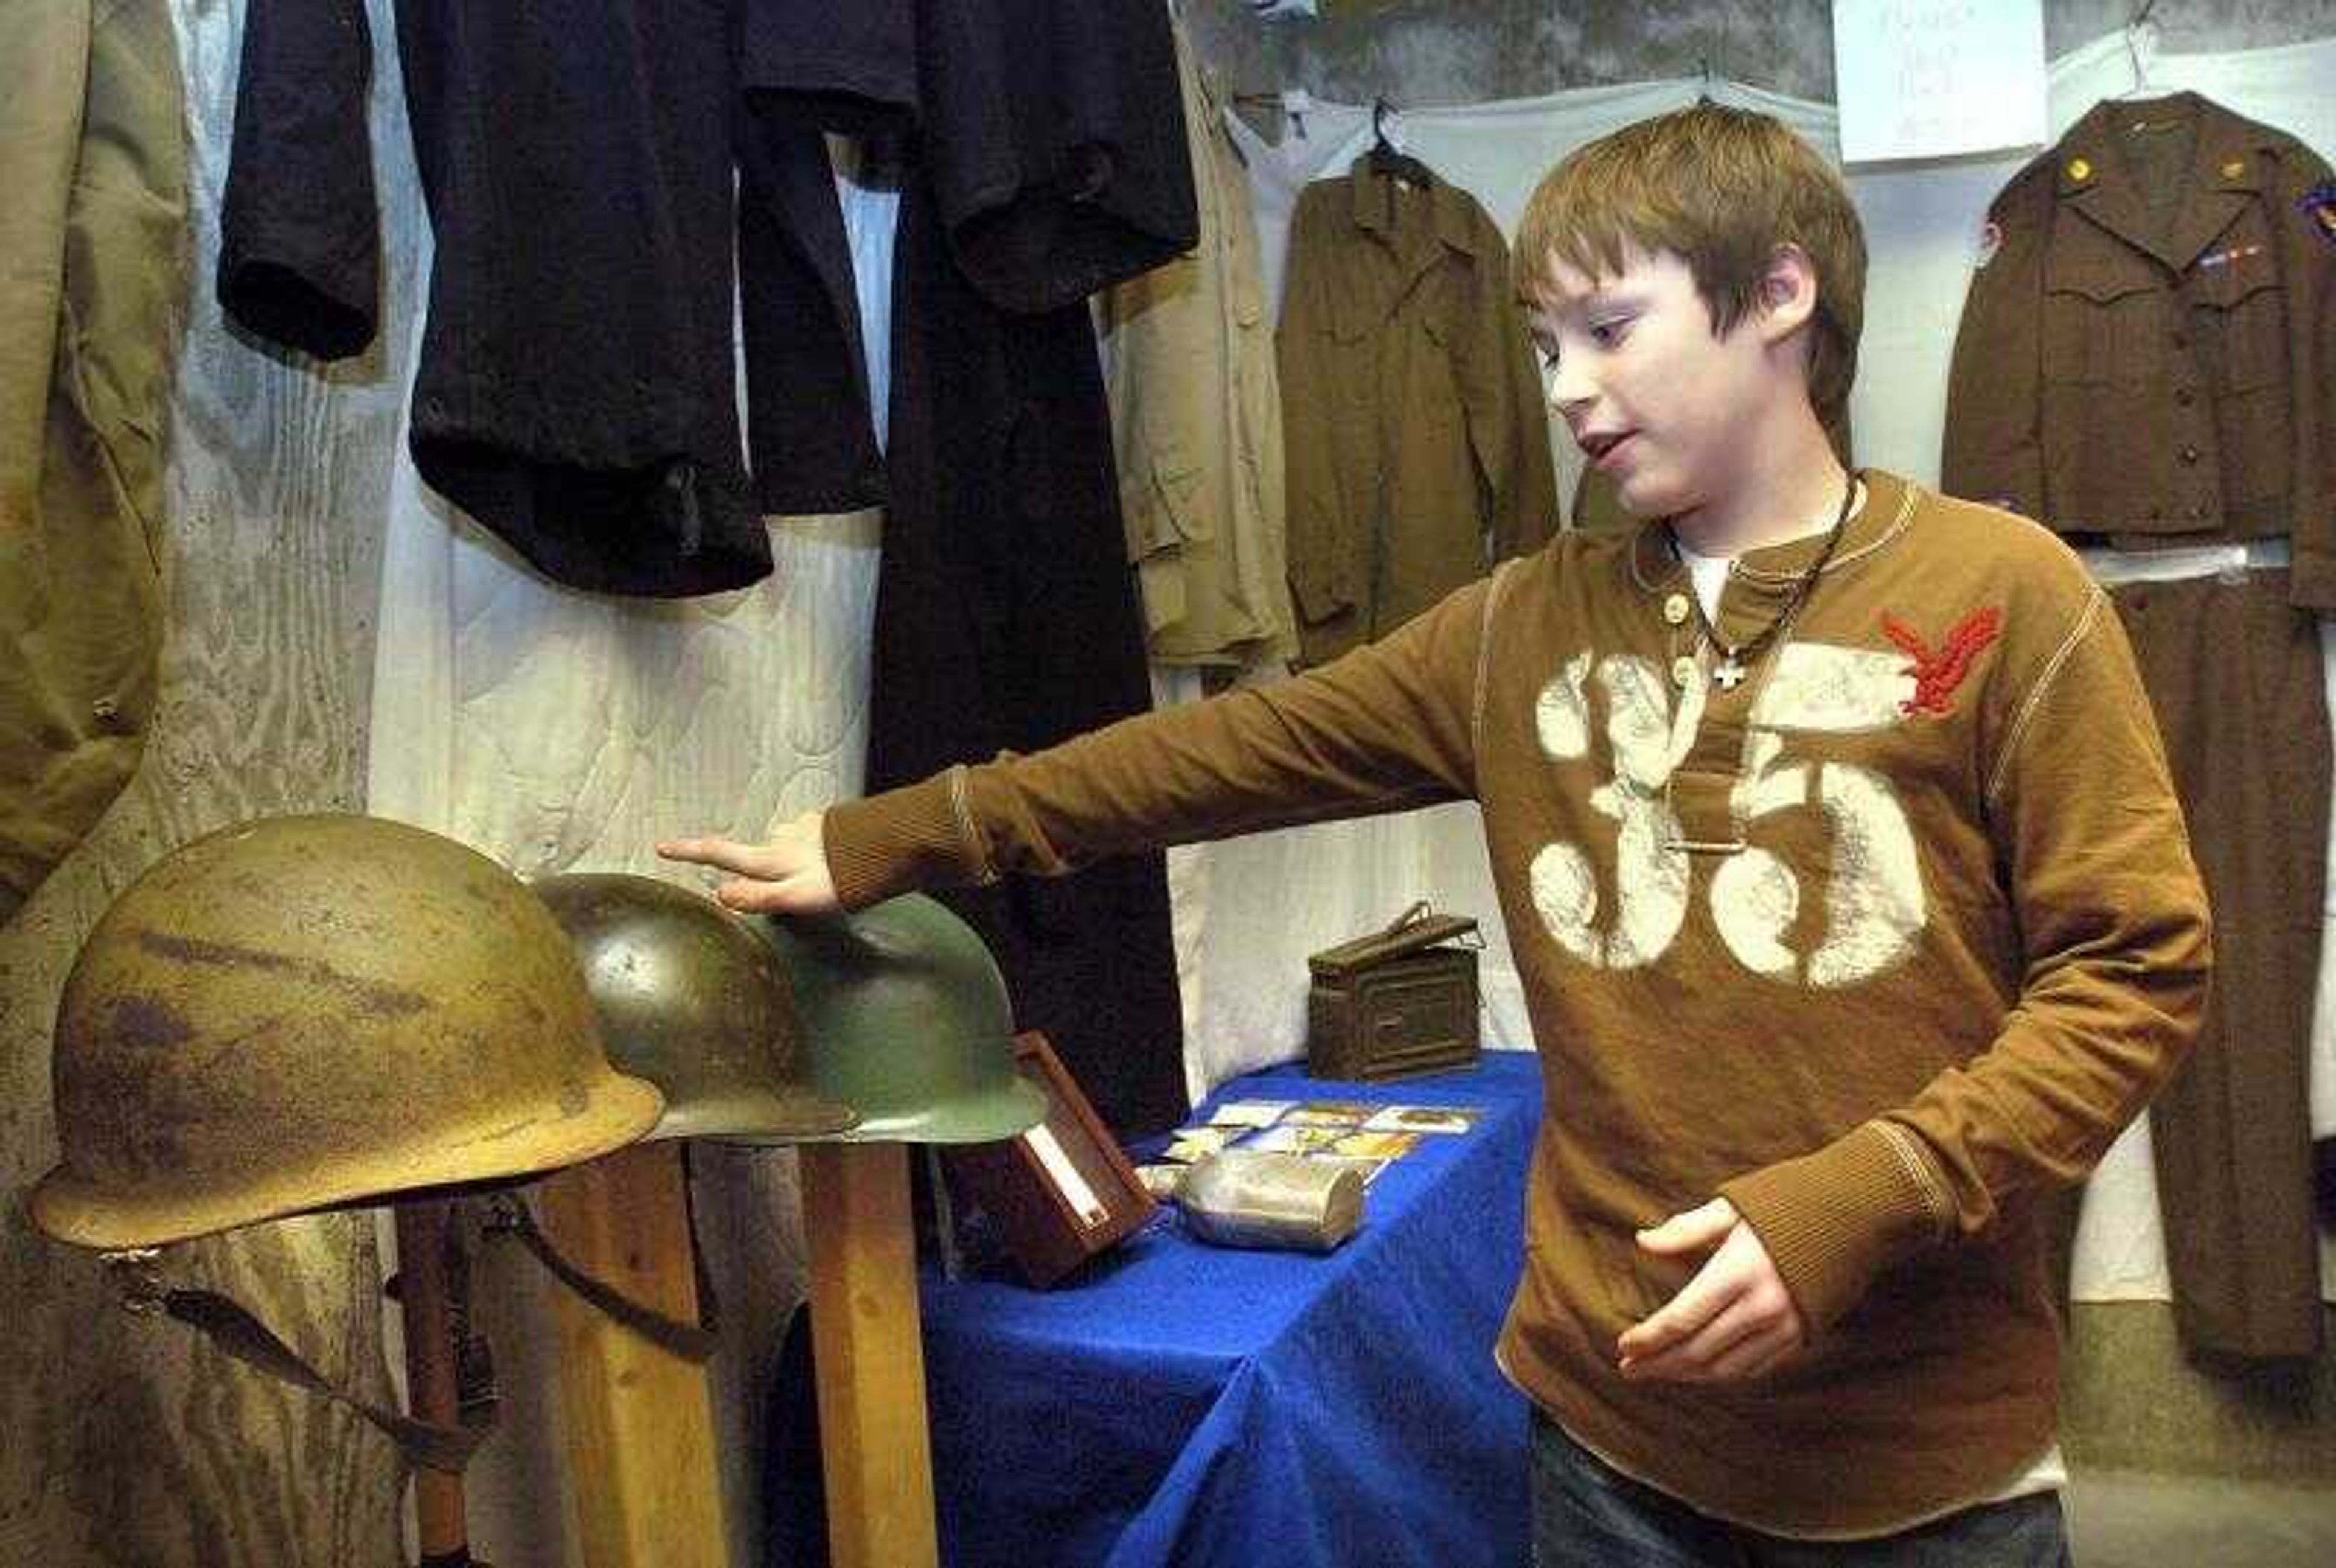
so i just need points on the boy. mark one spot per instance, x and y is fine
(1839, 859)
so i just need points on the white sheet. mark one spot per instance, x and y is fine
(559, 731)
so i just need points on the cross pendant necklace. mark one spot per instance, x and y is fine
(1735, 658)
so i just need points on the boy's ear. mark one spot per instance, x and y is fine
(1788, 293)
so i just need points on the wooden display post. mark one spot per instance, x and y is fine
(639, 1418)
(432, 1393)
(868, 1347)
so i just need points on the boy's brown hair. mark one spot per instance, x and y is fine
(1719, 187)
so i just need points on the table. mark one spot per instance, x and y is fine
(1192, 1404)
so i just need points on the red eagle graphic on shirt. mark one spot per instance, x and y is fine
(1937, 672)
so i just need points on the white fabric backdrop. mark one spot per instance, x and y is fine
(560, 731)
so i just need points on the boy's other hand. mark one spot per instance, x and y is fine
(787, 876)
(1732, 1319)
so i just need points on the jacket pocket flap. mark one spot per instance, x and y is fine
(2097, 272)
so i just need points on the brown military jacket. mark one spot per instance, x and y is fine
(1417, 442)
(2149, 353)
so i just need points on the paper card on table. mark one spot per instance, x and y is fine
(1938, 78)
(1189, 1143)
(1249, 1113)
(1424, 1119)
(1376, 1145)
(1330, 1113)
(1293, 1139)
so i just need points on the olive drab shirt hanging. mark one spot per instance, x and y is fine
(1418, 444)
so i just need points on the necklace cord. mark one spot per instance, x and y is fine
(1753, 646)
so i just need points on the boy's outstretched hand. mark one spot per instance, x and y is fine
(787, 876)
(1732, 1319)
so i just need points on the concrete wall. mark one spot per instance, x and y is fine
(1420, 51)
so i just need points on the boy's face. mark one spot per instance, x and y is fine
(1652, 396)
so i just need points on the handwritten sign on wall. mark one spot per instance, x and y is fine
(1937, 78)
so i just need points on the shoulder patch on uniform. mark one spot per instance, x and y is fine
(1991, 240)
(1938, 672)
(2318, 206)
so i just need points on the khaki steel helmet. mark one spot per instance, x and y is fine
(688, 999)
(305, 1012)
(906, 1019)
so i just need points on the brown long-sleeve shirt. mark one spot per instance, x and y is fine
(1417, 441)
(1878, 944)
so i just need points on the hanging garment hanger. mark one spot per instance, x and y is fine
(1707, 73)
(2141, 51)
(1386, 158)
(1290, 106)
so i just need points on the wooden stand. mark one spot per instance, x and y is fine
(639, 1419)
(869, 1346)
(431, 1391)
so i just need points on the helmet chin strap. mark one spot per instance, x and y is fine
(137, 1276)
(693, 1342)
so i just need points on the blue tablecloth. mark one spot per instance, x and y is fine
(1191, 1404)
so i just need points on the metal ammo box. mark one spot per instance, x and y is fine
(1396, 1002)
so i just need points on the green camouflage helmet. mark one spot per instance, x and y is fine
(907, 1018)
(688, 999)
(308, 1012)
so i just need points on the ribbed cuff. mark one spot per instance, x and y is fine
(897, 842)
(1833, 1220)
